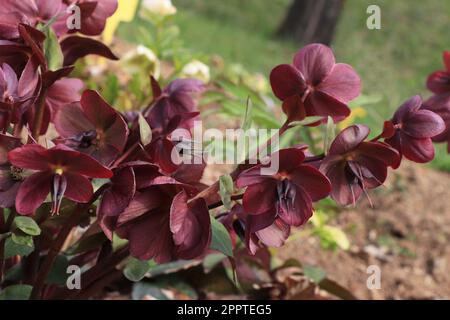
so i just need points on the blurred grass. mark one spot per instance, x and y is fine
(393, 62)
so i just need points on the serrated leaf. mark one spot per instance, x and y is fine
(27, 225)
(135, 269)
(226, 189)
(16, 292)
(144, 130)
(221, 240)
(52, 50)
(316, 274)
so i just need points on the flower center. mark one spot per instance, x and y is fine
(286, 195)
(83, 140)
(16, 173)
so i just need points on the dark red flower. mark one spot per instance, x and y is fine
(162, 223)
(288, 194)
(93, 127)
(175, 99)
(440, 104)
(315, 85)
(439, 81)
(128, 178)
(94, 14)
(60, 171)
(414, 128)
(10, 176)
(354, 165)
(15, 93)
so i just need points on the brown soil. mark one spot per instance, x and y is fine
(406, 234)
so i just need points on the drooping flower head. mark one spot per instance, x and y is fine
(439, 81)
(163, 223)
(354, 165)
(315, 85)
(411, 129)
(60, 171)
(288, 194)
(92, 126)
(440, 104)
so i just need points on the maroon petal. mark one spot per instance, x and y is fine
(315, 62)
(439, 82)
(250, 177)
(348, 139)
(286, 81)
(94, 21)
(343, 83)
(79, 188)
(190, 224)
(8, 197)
(97, 110)
(76, 47)
(319, 103)
(30, 156)
(343, 191)
(71, 121)
(63, 92)
(297, 211)
(274, 235)
(417, 150)
(7, 144)
(142, 203)
(312, 181)
(288, 159)
(423, 124)
(29, 79)
(407, 108)
(150, 238)
(381, 152)
(260, 198)
(294, 108)
(33, 191)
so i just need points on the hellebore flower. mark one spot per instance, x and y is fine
(92, 126)
(94, 14)
(174, 100)
(288, 194)
(162, 223)
(128, 178)
(315, 85)
(60, 171)
(411, 129)
(354, 165)
(14, 93)
(439, 81)
(440, 104)
(10, 176)
(162, 144)
(256, 231)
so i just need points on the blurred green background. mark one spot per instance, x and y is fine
(393, 62)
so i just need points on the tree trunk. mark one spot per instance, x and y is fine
(311, 21)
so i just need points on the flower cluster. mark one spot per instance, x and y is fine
(56, 141)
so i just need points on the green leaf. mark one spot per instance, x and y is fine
(13, 249)
(314, 273)
(144, 130)
(27, 225)
(52, 50)
(221, 240)
(226, 189)
(247, 122)
(135, 269)
(22, 238)
(16, 292)
(58, 274)
(212, 260)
